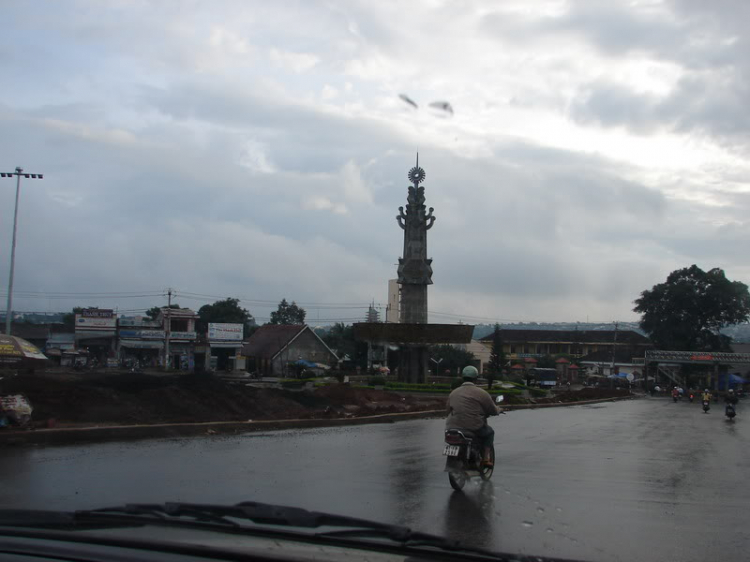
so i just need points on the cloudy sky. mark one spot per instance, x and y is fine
(260, 150)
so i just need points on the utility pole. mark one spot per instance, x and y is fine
(18, 173)
(168, 329)
(612, 367)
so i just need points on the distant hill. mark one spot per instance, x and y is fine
(481, 330)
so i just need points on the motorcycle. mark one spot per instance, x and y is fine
(675, 397)
(706, 406)
(691, 397)
(464, 456)
(729, 412)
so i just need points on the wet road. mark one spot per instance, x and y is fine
(638, 480)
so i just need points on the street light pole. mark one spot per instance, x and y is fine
(18, 173)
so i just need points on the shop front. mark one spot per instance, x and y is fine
(140, 353)
(225, 345)
(95, 334)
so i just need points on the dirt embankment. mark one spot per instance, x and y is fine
(101, 399)
(589, 393)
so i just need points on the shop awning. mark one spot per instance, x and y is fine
(225, 345)
(142, 344)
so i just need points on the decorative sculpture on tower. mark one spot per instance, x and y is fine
(414, 269)
(411, 336)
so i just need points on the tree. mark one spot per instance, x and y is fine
(226, 311)
(69, 320)
(340, 338)
(153, 312)
(686, 312)
(288, 314)
(497, 357)
(451, 357)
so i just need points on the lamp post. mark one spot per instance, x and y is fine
(18, 173)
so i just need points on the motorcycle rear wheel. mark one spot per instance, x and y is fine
(486, 471)
(457, 480)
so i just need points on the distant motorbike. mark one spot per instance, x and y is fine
(729, 412)
(675, 397)
(691, 397)
(463, 453)
(706, 406)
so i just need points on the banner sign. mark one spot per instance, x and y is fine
(225, 332)
(143, 334)
(183, 335)
(95, 323)
(97, 313)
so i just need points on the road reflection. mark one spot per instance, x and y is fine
(470, 515)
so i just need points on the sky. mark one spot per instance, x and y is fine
(260, 150)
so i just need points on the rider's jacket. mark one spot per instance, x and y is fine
(730, 399)
(468, 407)
(706, 396)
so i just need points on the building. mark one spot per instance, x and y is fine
(393, 310)
(96, 333)
(275, 350)
(373, 315)
(180, 337)
(521, 344)
(141, 339)
(481, 352)
(224, 346)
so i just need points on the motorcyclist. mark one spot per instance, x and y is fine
(730, 399)
(675, 393)
(706, 396)
(469, 407)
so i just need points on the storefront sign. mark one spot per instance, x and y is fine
(97, 313)
(183, 335)
(225, 332)
(95, 323)
(138, 322)
(143, 334)
(141, 344)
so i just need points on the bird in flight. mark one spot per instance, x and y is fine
(442, 106)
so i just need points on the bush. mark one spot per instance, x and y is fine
(294, 383)
(376, 381)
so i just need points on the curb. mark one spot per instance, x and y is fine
(82, 435)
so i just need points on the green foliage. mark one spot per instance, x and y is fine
(376, 381)
(153, 312)
(687, 311)
(69, 320)
(452, 357)
(340, 338)
(546, 362)
(225, 311)
(295, 383)
(288, 314)
(497, 357)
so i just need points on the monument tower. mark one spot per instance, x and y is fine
(412, 335)
(414, 269)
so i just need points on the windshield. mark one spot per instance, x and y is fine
(272, 251)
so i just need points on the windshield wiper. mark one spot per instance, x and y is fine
(227, 516)
(348, 531)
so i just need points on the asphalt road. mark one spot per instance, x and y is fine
(639, 480)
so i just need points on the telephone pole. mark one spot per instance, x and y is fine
(614, 345)
(168, 329)
(18, 173)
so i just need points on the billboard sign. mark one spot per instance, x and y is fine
(95, 323)
(225, 332)
(98, 313)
